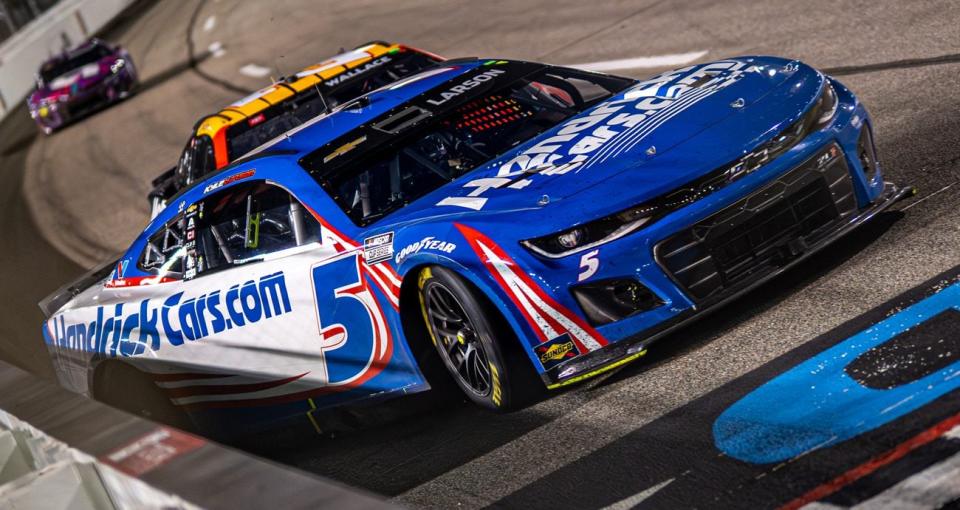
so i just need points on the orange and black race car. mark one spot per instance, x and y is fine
(244, 125)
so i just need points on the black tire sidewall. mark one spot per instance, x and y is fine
(491, 334)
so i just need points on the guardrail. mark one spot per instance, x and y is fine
(66, 24)
(57, 446)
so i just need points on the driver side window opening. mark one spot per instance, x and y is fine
(238, 225)
(245, 223)
(164, 253)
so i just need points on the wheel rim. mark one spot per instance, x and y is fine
(457, 339)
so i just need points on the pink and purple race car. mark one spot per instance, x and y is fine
(80, 81)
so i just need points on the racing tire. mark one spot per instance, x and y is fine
(477, 346)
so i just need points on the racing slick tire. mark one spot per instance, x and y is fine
(475, 343)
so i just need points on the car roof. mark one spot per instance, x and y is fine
(348, 116)
(290, 86)
(69, 53)
(329, 127)
(324, 128)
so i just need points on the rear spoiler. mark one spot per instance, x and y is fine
(165, 176)
(164, 187)
(55, 301)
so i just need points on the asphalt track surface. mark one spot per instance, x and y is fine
(645, 436)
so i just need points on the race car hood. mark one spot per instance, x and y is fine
(646, 141)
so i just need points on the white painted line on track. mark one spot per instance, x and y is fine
(636, 499)
(945, 188)
(953, 433)
(674, 60)
(254, 71)
(931, 488)
(216, 49)
(210, 23)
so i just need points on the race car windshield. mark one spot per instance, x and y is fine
(416, 149)
(276, 120)
(53, 70)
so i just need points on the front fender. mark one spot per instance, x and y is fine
(537, 318)
(465, 262)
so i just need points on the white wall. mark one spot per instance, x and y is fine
(21, 55)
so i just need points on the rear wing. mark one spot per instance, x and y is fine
(164, 187)
(165, 176)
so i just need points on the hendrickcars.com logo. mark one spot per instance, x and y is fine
(177, 319)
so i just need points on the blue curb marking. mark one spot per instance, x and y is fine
(816, 404)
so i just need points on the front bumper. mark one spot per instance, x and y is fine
(628, 349)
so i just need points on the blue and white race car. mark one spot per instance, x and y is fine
(521, 225)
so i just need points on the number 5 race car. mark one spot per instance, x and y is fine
(521, 225)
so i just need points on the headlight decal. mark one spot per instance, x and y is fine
(826, 105)
(595, 233)
(609, 228)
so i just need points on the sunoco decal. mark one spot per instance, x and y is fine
(176, 319)
(556, 351)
